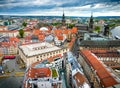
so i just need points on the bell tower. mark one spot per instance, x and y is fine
(91, 22)
(63, 19)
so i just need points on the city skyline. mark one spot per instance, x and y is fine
(55, 8)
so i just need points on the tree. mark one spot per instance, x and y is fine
(21, 33)
(97, 29)
(24, 24)
(71, 25)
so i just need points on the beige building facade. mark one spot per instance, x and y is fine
(32, 53)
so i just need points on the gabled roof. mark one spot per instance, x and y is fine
(13, 39)
(79, 78)
(60, 37)
(36, 32)
(74, 30)
(106, 78)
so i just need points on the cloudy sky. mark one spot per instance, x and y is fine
(56, 7)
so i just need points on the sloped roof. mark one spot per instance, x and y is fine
(100, 43)
(116, 31)
(106, 78)
(79, 78)
(51, 59)
(60, 37)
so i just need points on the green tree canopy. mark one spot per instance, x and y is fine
(21, 33)
(71, 25)
(24, 24)
(97, 29)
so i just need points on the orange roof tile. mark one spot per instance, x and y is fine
(8, 31)
(60, 37)
(65, 31)
(58, 32)
(41, 36)
(1, 54)
(105, 76)
(28, 38)
(51, 59)
(36, 32)
(79, 78)
(3, 26)
(8, 44)
(71, 43)
(74, 30)
(13, 39)
(38, 72)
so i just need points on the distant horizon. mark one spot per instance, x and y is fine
(51, 15)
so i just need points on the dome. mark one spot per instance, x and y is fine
(116, 31)
(43, 28)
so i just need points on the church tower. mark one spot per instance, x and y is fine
(91, 22)
(63, 19)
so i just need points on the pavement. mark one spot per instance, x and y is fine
(63, 80)
(13, 77)
(11, 82)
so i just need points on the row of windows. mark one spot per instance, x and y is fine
(51, 53)
(39, 48)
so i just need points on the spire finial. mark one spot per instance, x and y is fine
(91, 14)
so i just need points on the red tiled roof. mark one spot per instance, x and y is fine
(1, 54)
(79, 78)
(13, 39)
(8, 44)
(60, 37)
(36, 32)
(102, 51)
(3, 26)
(58, 32)
(39, 72)
(74, 30)
(71, 42)
(105, 76)
(52, 58)
(8, 31)
(28, 38)
(65, 31)
(41, 36)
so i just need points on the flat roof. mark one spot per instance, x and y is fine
(106, 77)
(38, 72)
(35, 49)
